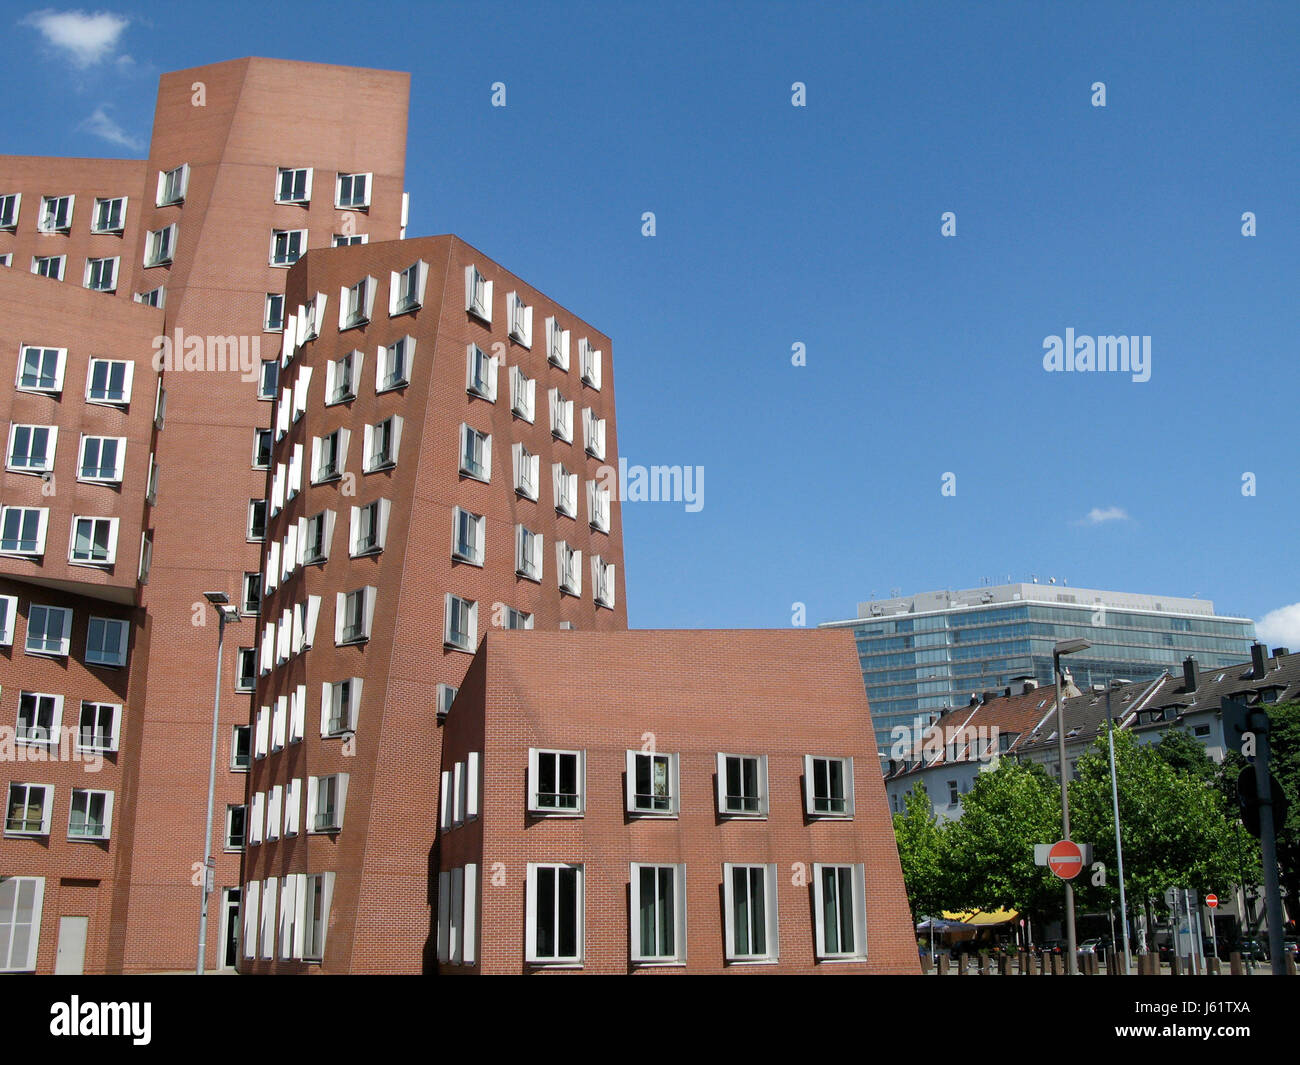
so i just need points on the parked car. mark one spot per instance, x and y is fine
(1252, 949)
(1092, 946)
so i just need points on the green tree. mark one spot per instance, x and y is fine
(923, 853)
(1186, 755)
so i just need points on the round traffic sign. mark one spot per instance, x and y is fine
(1211, 901)
(1065, 859)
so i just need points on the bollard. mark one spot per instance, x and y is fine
(1290, 963)
(1212, 966)
(1235, 968)
(1175, 965)
(943, 964)
(1058, 968)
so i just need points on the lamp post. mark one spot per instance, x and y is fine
(1119, 848)
(1066, 647)
(225, 612)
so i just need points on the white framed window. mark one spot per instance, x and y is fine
(602, 582)
(478, 295)
(56, 214)
(369, 528)
(268, 381)
(102, 459)
(262, 441)
(527, 471)
(326, 799)
(341, 376)
(839, 902)
(565, 485)
(7, 259)
(520, 318)
(742, 785)
(557, 344)
(257, 818)
(21, 899)
(329, 455)
(50, 266)
(160, 406)
(8, 616)
(292, 806)
(241, 753)
(40, 719)
(173, 185)
(101, 274)
(555, 914)
(517, 619)
(93, 541)
(249, 907)
(146, 556)
(256, 520)
(160, 246)
(293, 184)
(458, 915)
(652, 784)
(475, 454)
(561, 416)
(279, 718)
(22, 530)
(318, 534)
(106, 640)
(658, 914)
(311, 317)
(245, 669)
(568, 569)
(100, 727)
(589, 364)
(528, 554)
(236, 826)
(251, 600)
(287, 246)
(340, 706)
(10, 204)
(393, 366)
(381, 443)
(32, 447)
(523, 395)
(109, 215)
(352, 191)
(446, 696)
(318, 892)
(828, 787)
(263, 736)
(460, 629)
(557, 782)
(752, 927)
(273, 317)
(28, 810)
(406, 288)
(597, 506)
(155, 297)
(354, 615)
(274, 802)
(41, 369)
(91, 814)
(467, 536)
(109, 381)
(356, 303)
(593, 433)
(480, 374)
(347, 240)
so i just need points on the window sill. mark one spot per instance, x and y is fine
(540, 964)
(841, 958)
(30, 472)
(753, 961)
(653, 815)
(95, 401)
(106, 665)
(394, 387)
(87, 839)
(447, 645)
(567, 815)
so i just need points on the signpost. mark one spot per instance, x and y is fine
(1212, 901)
(1065, 859)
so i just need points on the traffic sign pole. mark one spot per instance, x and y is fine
(1212, 901)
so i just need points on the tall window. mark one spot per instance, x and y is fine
(461, 630)
(658, 913)
(160, 247)
(173, 184)
(274, 316)
(467, 545)
(554, 914)
(840, 911)
(20, 921)
(476, 454)
(751, 915)
(407, 288)
(9, 204)
(394, 369)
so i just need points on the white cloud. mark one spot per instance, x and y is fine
(1280, 627)
(85, 38)
(1098, 516)
(102, 126)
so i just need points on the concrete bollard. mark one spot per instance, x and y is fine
(1290, 964)
(943, 964)
(1175, 964)
(1212, 966)
(1235, 968)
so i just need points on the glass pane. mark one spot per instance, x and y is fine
(568, 913)
(545, 913)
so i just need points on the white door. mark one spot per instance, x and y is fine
(71, 959)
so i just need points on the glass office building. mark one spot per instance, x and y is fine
(922, 653)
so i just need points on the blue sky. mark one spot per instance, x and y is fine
(820, 225)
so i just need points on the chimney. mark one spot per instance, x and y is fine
(1258, 659)
(1029, 686)
(1281, 652)
(1191, 674)
(990, 696)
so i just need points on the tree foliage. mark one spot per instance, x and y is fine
(923, 854)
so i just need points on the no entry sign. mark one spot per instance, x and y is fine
(1212, 901)
(1065, 859)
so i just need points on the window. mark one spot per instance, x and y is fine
(354, 613)
(329, 454)
(106, 641)
(160, 246)
(467, 536)
(155, 297)
(251, 600)
(41, 369)
(102, 458)
(406, 289)
(94, 541)
(236, 821)
(40, 718)
(31, 448)
(527, 471)
(652, 783)
(319, 531)
(245, 669)
(8, 615)
(528, 554)
(478, 295)
(91, 816)
(446, 696)
(273, 320)
(341, 378)
(370, 527)
(241, 739)
(287, 246)
(101, 275)
(475, 454)
(340, 703)
(828, 786)
(394, 365)
(523, 395)
(262, 449)
(173, 184)
(839, 901)
(9, 205)
(7, 259)
(589, 364)
(356, 303)
(556, 782)
(256, 520)
(602, 582)
(50, 266)
(28, 813)
(568, 566)
(520, 317)
(151, 485)
(561, 416)
(293, 185)
(517, 619)
(742, 785)
(269, 380)
(20, 921)
(458, 915)
(480, 374)
(593, 433)
(954, 794)
(351, 191)
(346, 240)
(557, 344)
(22, 530)
(56, 214)
(749, 903)
(382, 442)
(554, 934)
(597, 507)
(49, 630)
(109, 381)
(461, 628)
(99, 726)
(319, 889)
(566, 490)
(109, 216)
(146, 556)
(326, 797)
(658, 921)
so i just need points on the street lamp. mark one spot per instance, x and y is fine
(225, 612)
(1114, 798)
(1066, 647)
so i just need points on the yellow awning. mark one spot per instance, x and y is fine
(981, 917)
